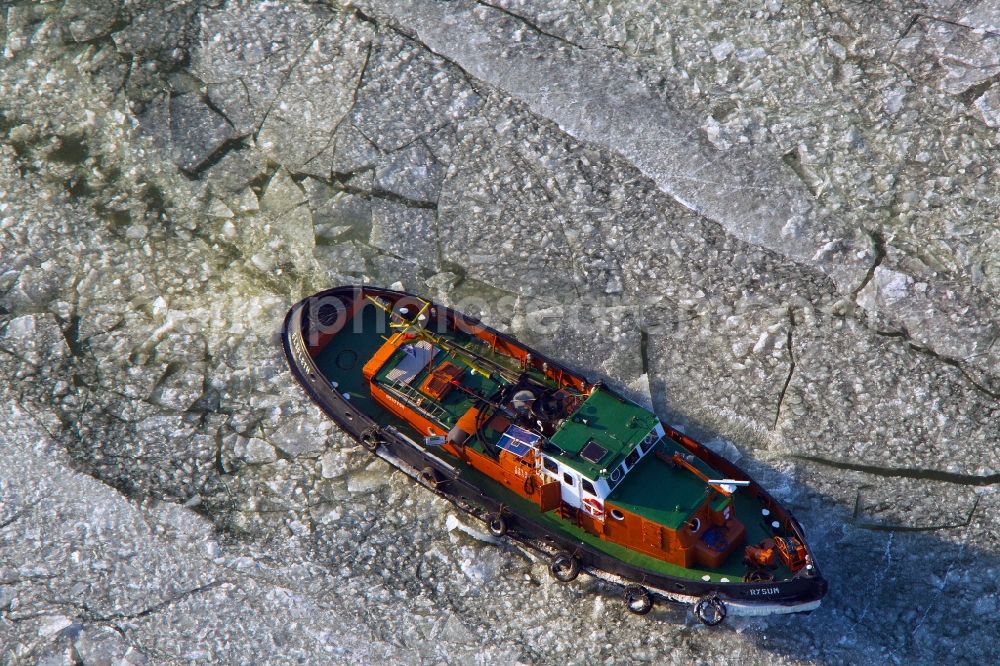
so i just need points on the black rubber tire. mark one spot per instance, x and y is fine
(710, 610)
(638, 600)
(497, 524)
(370, 441)
(564, 567)
(429, 478)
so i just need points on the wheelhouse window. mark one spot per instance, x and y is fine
(588, 487)
(632, 458)
(550, 465)
(647, 444)
(568, 479)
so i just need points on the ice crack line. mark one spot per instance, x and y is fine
(530, 24)
(947, 360)
(791, 367)
(149, 610)
(879, 248)
(880, 527)
(906, 472)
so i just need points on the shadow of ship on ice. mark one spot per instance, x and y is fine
(897, 593)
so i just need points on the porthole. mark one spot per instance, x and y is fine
(617, 515)
(616, 474)
(694, 524)
(649, 439)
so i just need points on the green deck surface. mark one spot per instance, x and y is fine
(345, 355)
(613, 423)
(660, 493)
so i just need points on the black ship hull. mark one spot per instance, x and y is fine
(801, 594)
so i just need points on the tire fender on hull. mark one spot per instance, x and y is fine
(430, 478)
(638, 600)
(710, 610)
(564, 567)
(497, 524)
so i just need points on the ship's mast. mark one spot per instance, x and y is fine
(474, 360)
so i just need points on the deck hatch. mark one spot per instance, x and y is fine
(593, 452)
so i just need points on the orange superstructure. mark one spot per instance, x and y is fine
(498, 428)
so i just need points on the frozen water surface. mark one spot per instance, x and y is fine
(774, 222)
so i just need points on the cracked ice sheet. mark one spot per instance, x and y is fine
(291, 80)
(601, 100)
(721, 384)
(569, 220)
(914, 504)
(408, 93)
(898, 572)
(952, 320)
(861, 398)
(854, 397)
(80, 552)
(513, 56)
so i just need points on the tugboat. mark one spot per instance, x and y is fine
(563, 466)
